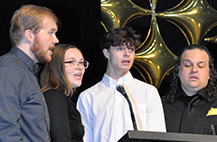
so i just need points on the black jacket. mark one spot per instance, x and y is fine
(65, 119)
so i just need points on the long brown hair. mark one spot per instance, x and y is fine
(54, 75)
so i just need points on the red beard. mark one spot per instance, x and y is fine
(40, 54)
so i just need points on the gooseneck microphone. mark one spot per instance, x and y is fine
(121, 89)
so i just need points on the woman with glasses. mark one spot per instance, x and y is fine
(58, 80)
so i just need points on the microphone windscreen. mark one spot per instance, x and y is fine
(120, 88)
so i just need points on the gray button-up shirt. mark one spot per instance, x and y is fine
(23, 111)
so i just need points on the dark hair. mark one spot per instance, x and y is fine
(120, 36)
(28, 17)
(212, 90)
(54, 75)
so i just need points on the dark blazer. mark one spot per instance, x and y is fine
(65, 120)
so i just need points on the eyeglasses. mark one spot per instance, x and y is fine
(75, 63)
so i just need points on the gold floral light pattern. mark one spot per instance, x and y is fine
(194, 18)
(116, 13)
(211, 39)
(153, 56)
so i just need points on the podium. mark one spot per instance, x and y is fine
(147, 136)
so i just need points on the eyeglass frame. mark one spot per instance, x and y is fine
(78, 63)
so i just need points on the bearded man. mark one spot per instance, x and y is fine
(23, 111)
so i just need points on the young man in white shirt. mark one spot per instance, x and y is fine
(105, 111)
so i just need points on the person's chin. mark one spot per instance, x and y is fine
(76, 85)
(195, 87)
(126, 67)
(48, 58)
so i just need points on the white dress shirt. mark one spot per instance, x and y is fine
(105, 112)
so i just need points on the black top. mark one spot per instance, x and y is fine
(188, 114)
(65, 119)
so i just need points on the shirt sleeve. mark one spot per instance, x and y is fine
(10, 105)
(59, 119)
(83, 105)
(156, 120)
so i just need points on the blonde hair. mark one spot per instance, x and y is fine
(28, 17)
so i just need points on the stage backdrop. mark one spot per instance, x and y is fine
(165, 27)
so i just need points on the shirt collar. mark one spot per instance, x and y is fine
(202, 92)
(111, 82)
(24, 57)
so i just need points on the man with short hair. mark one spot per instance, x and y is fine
(105, 111)
(23, 111)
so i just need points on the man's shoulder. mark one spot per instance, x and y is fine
(142, 83)
(11, 66)
(165, 99)
(93, 88)
(9, 60)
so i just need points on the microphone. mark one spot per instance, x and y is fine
(121, 89)
(213, 130)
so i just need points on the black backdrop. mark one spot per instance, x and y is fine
(81, 25)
